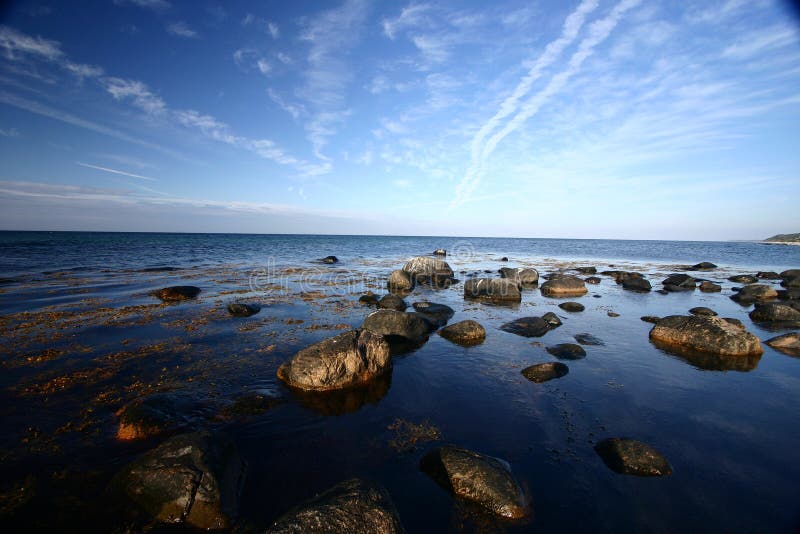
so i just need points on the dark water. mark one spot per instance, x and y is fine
(80, 336)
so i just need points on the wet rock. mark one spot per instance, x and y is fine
(636, 284)
(254, 403)
(437, 314)
(464, 333)
(793, 282)
(399, 280)
(152, 415)
(706, 334)
(564, 285)
(594, 280)
(330, 259)
(612, 314)
(588, 339)
(790, 273)
(526, 277)
(392, 302)
(703, 266)
(177, 293)
(478, 478)
(191, 479)
(679, 282)
(650, 319)
(398, 324)
(709, 287)
(427, 270)
(369, 298)
(735, 322)
(567, 351)
(527, 327)
(552, 319)
(701, 310)
(440, 252)
(572, 306)
(630, 457)
(789, 294)
(586, 270)
(753, 292)
(542, 372)
(768, 275)
(773, 312)
(346, 360)
(621, 276)
(494, 289)
(786, 343)
(241, 309)
(743, 279)
(354, 506)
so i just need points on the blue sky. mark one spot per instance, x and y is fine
(594, 118)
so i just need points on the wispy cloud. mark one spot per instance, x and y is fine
(9, 132)
(413, 16)
(137, 92)
(273, 29)
(181, 29)
(115, 171)
(157, 5)
(295, 110)
(762, 41)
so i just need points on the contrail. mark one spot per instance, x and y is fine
(114, 171)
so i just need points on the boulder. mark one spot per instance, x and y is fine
(330, 259)
(526, 277)
(586, 270)
(552, 319)
(773, 312)
(392, 302)
(790, 273)
(743, 279)
(706, 334)
(192, 479)
(567, 351)
(753, 292)
(369, 298)
(354, 506)
(594, 280)
(709, 287)
(464, 333)
(241, 309)
(791, 282)
(701, 310)
(346, 360)
(477, 478)
(494, 289)
(630, 457)
(542, 372)
(503, 259)
(792, 293)
(427, 270)
(152, 415)
(636, 284)
(440, 252)
(703, 266)
(177, 293)
(679, 282)
(399, 280)
(394, 323)
(650, 318)
(527, 327)
(572, 306)
(621, 276)
(564, 285)
(786, 343)
(437, 314)
(768, 275)
(588, 339)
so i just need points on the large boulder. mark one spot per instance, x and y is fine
(773, 312)
(392, 302)
(494, 289)
(191, 479)
(527, 327)
(424, 269)
(464, 333)
(346, 360)
(641, 285)
(523, 276)
(753, 292)
(177, 293)
(564, 285)
(477, 478)
(793, 282)
(354, 506)
(399, 280)
(706, 334)
(787, 343)
(790, 273)
(679, 282)
(411, 326)
(437, 314)
(630, 457)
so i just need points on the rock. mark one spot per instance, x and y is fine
(399, 280)
(527, 327)
(630, 457)
(346, 360)
(709, 287)
(612, 314)
(650, 319)
(662, 291)
(700, 310)
(773, 312)
(586, 270)
(793, 282)
(392, 302)
(191, 479)
(735, 322)
(791, 273)
(572, 306)
(241, 309)
(588, 339)
(703, 266)
(564, 286)
(478, 478)
(787, 343)
(437, 314)
(427, 270)
(503, 259)
(154, 414)
(369, 298)
(162, 269)
(567, 351)
(679, 282)
(552, 319)
(743, 279)
(542, 372)
(254, 403)
(706, 334)
(526, 277)
(354, 506)
(636, 284)
(621, 276)
(177, 293)
(440, 252)
(753, 292)
(464, 333)
(330, 259)
(789, 294)
(594, 280)
(494, 289)
(768, 275)
(394, 323)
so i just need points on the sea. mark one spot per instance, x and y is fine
(81, 336)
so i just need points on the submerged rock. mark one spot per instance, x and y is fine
(399, 324)
(753, 292)
(572, 306)
(564, 285)
(477, 478)
(706, 334)
(743, 279)
(773, 312)
(787, 343)
(464, 333)
(679, 282)
(392, 302)
(567, 351)
(437, 314)
(701, 310)
(630, 457)
(542, 372)
(636, 284)
(241, 309)
(177, 293)
(494, 289)
(526, 277)
(709, 287)
(191, 479)
(152, 415)
(427, 270)
(346, 360)
(399, 280)
(588, 339)
(527, 327)
(354, 506)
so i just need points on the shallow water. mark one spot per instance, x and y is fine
(81, 336)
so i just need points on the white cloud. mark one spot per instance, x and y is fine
(273, 29)
(137, 91)
(761, 41)
(158, 5)
(181, 29)
(263, 66)
(294, 110)
(284, 58)
(9, 132)
(412, 16)
(115, 171)
(13, 43)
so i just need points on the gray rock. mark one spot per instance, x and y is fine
(701, 310)
(636, 284)
(743, 279)
(438, 314)
(477, 478)
(679, 282)
(542, 372)
(494, 289)
(630, 457)
(526, 277)
(786, 343)
(399, 324)
(567, 351)
(241, 309)
(354, 506)
(564, 285)
(392, 302)
(464, 333)
(773, 312)
(588, 339)
(346, 360)
(527, 327)
(709, 287)
(427, 270)
(753, 292)
(399, 280)
(177, 293)
(706, 334)
(572, 306)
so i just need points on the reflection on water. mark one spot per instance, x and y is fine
(347, 400)
(707, 361)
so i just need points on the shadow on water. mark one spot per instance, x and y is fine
(707, 361)
(344, 401)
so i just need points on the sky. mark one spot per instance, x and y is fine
(630, 119)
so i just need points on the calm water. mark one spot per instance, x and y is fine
(80, 336)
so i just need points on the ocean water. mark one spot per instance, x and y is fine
(80, 335)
